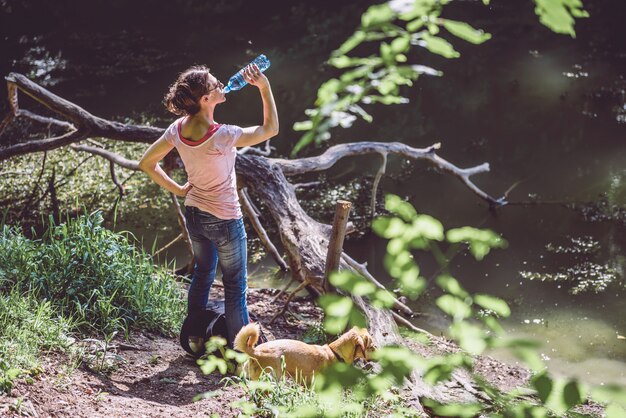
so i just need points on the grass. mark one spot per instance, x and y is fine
(28, 327)
(78, 277)
(93, 275)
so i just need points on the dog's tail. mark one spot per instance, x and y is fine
(247, 338)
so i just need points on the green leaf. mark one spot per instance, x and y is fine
(303, 126)
(411, 285)
(466, 32)
(351, 43)
(609, 393)
(401, 44)
(558, 15)
(471, 338)
(438, 46)
(387, 86)
(480, 240)
(338, 310)
(377, 15)
(341, 61)
(454, 307)
(396, 245)
(543, 385)
(451, 285)
(572, 394)
(382, 299)
(396, 265)
(388, 227)
(427, 227)
(328, 92)
(396, 362)
(530, 357)
(414, 25)
(395, 204)
(494, 304)
(615, 411)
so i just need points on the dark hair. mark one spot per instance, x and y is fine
(184, 95)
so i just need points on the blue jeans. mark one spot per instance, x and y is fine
(214, 241)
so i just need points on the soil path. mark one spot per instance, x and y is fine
(158, 380)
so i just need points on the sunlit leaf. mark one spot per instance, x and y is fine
(396, 362)
(609, 393)
(480, 240)
(351, 43)
(338, 310)
(530, 357)
(494, 304)
(303, 126)
(401, 44)
(558, 15)
(454, 307)
(382, 299)
(438, 46)
(615, 411)
(388, 227)
(411, 284)
(328, 91)
(466, 32)
(471, 338)
(428, 227)
(395, 204)
(451, 285)
(396, 246)
(377, 14)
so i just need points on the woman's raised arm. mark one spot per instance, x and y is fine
(256, 134)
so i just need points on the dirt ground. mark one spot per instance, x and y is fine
(158, 379)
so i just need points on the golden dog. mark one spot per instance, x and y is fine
(302, 360)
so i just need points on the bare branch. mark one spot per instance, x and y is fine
(115, 180)
(258, 227)
(379, 174)
(40, 145)
(257, 151)
(111, 156)
(337, 152)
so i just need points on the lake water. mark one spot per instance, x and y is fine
(548, 113)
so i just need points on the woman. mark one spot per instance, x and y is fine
(212, 209)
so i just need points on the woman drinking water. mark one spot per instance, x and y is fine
(212, 209)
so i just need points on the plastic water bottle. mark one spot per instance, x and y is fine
(237, 81)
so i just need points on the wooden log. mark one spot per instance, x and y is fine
(335, 245)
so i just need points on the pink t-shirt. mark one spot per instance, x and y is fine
(210, 166)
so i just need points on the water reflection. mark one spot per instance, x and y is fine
(42, 65)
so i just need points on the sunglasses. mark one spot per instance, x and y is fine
(217, 85)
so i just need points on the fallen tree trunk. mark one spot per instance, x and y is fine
(304, 240)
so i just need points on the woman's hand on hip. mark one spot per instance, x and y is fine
(255, 77)
(184, 190)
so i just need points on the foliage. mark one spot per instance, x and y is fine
(389, 33)
(474, 324)
(27, 327)
(93, 275)
(78, 181)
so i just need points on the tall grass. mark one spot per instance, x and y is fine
(27, 327)
(93, 275)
